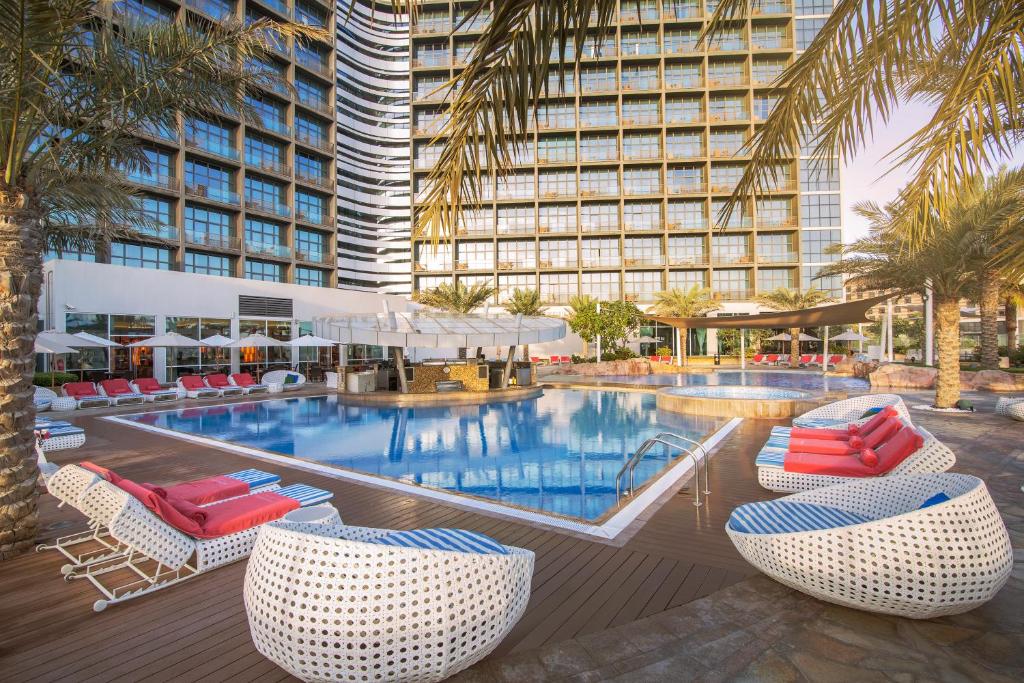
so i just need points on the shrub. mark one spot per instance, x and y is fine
(57, 379)
(663, 351)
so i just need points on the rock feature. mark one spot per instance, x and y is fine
(992, 380)
(903, 377)
(633, 366)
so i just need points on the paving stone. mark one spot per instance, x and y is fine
(769, 666)
(608, 646)
(566, 659)
(819, 668)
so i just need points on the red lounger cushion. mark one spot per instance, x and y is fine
(823, 434)
(110, 475)
(244, 513)
(828, 465)
(208, 490)
(218, 380)
(822, 446)
(876, 421)
(160, 507)
(898, 448)
(80, 389)
(193, 382)
(243, 379)
(114, 387)
(886, 431)
(148, 385)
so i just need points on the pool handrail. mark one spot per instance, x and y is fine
(663, 439)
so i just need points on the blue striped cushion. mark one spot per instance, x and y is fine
(50, 424)
(255, 478)
(818, 422)
(782, 516)
(771, 457)
(305, 494)
(782, 431)
(67, 430)
(444, 539)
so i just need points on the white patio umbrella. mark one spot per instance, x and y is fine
(255, 341)
(49, 338)
(171, 340)
(311, 341)
(97, 340)
(46, 346)
(850, 336)
(218, 340)
(786, 337)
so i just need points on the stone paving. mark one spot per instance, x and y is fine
(760, 630)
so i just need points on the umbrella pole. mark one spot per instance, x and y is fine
(400, 366)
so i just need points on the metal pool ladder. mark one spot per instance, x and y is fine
(675, 442)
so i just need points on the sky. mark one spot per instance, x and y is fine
(865, 177)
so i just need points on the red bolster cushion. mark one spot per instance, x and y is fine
(155, 489)
(190, 510)
(882, 434)
(874, 422)
(829, 465)
(160, 507)
(247, 512)
(208, 490)
(822, 434)
(869, 457)
(856, 442)
(897, 449)
(822, 446)
(110, 475)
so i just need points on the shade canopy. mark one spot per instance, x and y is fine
(785, 336)
(311, 341)
(254, 341)
(171, 340)
(850, 336)
(45, 346)
(835, 314)
(97, 340)
(52, 337)
(218, 340)
(437, 330)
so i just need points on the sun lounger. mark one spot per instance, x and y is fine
(757, 358)
(771, 359)
(152, 391)
(85, 395)
(566, 360)
(805, 359)
(120, 392)
(851, 410)
(287, 380)
(918, 546)
(836, 359)
(59, 436)
(783, 359)
(169, 543)
(195, 387)
(251, 386)
(220, 382)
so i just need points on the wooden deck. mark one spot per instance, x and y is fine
(198, 631)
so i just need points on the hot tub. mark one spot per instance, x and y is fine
(737, 401)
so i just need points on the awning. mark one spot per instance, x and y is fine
(847, 313)
(432, 330)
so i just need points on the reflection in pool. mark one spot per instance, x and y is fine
(558, 453)
(782, 379)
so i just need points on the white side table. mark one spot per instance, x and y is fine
(274, 387)
(63, 403)
(312, 519)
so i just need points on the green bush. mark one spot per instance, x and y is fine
(664, 351)
(57, 379)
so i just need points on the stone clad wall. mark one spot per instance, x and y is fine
(424, 377)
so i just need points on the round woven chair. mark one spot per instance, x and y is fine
(872, 545)
(1010, 407)
(850, 411)
(56, 402)
(332, 606)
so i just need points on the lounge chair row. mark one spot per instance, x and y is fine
(553, 360)
(770, 359)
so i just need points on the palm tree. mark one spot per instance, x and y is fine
(677, 302)
(525, 302)
(785, 299)
(961, 58)
(74, 93)
(456, 298)
(1013, 299)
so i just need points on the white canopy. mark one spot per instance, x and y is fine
(850, 336)
(46, 346)
(310, 340)
(433, 330)
(51, 337)
(171, 340)
(254, 341)
(97, 340)
(218, 340)
(786, 337)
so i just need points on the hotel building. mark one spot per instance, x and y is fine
(250, 198)
(618, 186)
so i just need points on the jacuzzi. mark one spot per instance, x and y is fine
(737, 401)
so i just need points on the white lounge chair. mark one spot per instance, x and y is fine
(851, 411)
(85, 395)
(281, 379)
(120, 392)
(55, 401)
(152, 391)
(244, 381)
(918, 546)
(195, 387)
(159, 554)
(57, 435)
(1010, 407)
(378, 611)
(933, 456)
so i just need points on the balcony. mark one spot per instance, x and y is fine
(642, 227)
(212, 240)
(278, 6)
(784, 187)
(686, 226)
(558, 262)
(602, 261)
(268, 165)
(688, 188)
(214, 147)
(691, 152)
(320, 143)
(319, 106)
(768, 223)
(732, 259)
(215, 194)
(318, 257)
(688, 259)
(164, 182)
(268, 206)
(433, 267)
(683, 83)
(725, 152)
(271, 125)
(733, 294)
(525, 264)
(318, 219)
(256, 248)
(779, 257)
(728, 82)
(684, 117)
(431, 28)
(770, 7)
(770, 43)
(643, 261)
(474, 265)
(432, 61)
(159, 231)
(314, 63)
(218, 11)
(735, 223)
(728, 116)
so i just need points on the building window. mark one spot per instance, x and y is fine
(599, 217)
(556, 115)
(684, 145)
(558, 287)
(686, 250)
(820, 210)
(261, 270)
(769, 279)
(601, 253)
(515, 219)
(775, 213)
(725, 177)
(730, 249)
(599, 114)
(310, 207)
(813, 6)
(599, 147)
(643, 251)
(595, 183)
(686, 179)
(475, 256)
(516, 186)
(507, 284)
(806, 30)
(775, 248)
(265, 153)
(642, 216)
(601, 286)
(556, 149)
(831, 285)
(598, 79)
(681, 40)
(209, 180)
(687, 279)
(512, 255)
(637, 77)
(557, 184)
(267, 113)
(139, 256)
(557, 218)
(641, 146)
(144, 10)
(684, 110)
(207, 226)
(210, 136)
(265, 195)
(815, 243)
(84, 252)
(311, 277)
(687, 216)
(641, 285)
(727, 108)
(818, 175)
(731, 284)
(310, 132)
(765, 71)
(207, 264)
(641, 112)
(558, 254)
(311, 246)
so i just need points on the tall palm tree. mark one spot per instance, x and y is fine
(785, 299)
(525, 302)
(961, 57)
(456, 298)
(1013, 299)
(73, 94)
(677, 302)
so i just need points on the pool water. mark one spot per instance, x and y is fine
(781, 379)
(558, 453)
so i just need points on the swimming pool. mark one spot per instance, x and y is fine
(557, 454)
(781, 379)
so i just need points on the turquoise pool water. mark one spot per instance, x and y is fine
(780, 379)
(558, 453)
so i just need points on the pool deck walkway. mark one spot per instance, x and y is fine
(673, 602)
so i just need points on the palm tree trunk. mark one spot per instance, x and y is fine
(947, 320)
(684, 337)
(794, 348)
(1011, 323)
(21, 277)
(988, 305)
(462, 354)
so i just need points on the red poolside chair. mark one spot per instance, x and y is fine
(758, 357)
(219, 381)
(85, 394)
(806, 359)
(554, 360)
(245, 381)
(152, 391)
(195, 387)
(836, 359)
(120, 392)
(771, 358)
(566, 360)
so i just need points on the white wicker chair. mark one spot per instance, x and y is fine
(57, 402)
(276, 377)
(1010, 407)
(330, 606)
(905, 560)
(850, 410)
(160, 555)
(59, 436)
(933, 456)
